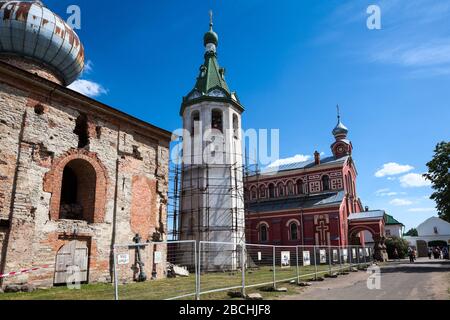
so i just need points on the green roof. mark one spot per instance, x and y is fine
(211, 76)
(211, 84)
(390, 220)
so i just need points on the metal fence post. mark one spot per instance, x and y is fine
(274, 266)
(357, 256)
(297, 270)
(315, 263)
(197, 292)
(199, 256)
(350, 254)
(243, 256)
(116, 281)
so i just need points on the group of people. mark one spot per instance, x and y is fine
(438, 253)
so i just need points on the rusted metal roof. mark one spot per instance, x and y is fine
(28, 29)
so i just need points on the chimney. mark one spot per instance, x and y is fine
(317, 158)
(367, 208)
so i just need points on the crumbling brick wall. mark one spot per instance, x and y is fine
(40, 129)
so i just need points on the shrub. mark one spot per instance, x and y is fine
(400, 244)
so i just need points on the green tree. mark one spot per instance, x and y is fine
(439, 175)
(400, 244)
(412, 232)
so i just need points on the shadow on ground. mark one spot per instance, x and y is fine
(420, 266)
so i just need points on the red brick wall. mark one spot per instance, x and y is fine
(143, 206)
(53, 183)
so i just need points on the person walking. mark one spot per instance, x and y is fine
(411, 255)
(430, 252)
(445, 253)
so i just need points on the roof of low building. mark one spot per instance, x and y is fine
(390, 220)
(304, 165)
(367, 215)
(301, 202)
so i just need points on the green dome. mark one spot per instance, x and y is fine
(211, 37)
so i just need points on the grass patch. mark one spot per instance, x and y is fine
(171, 287)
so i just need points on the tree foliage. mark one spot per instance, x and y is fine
(439, 175)
(412, 232)
(400, 244)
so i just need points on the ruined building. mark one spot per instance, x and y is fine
(76, 176)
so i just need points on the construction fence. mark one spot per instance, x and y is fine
(199, 270)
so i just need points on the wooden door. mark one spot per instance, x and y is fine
(75, 253)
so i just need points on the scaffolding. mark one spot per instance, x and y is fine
(202, 202)
(193, 184)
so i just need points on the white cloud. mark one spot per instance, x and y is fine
(400, 202)
(88, 67)
(294, 159)
(386, 192)
(436, 52)
(391, 169)
(422, 210)
(88, 88)
(413, 180)
(382, 191)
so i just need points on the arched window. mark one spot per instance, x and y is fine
(325, 183)
(217, 120)
(263, 234)
(290, 188)
(195, 119)
(235, 126)
(253, 193)
(350, 184)
(281, 190)
(293, 231)
(271, 190)
(262, 191)
(300, 187)
(78, 191)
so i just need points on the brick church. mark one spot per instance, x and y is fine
(76, 175)
(310, 203)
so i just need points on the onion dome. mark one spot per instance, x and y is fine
(35, 39)
(211, 37)
(340, 130)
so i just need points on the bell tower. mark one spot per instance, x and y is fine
(342, 146)
(211, 201)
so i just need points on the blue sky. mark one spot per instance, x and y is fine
(291, 62)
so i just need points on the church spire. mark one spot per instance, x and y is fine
(210, 84)
(342, 146)
(340, 131)
(211, 39)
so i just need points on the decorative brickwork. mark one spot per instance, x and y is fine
(54, 178)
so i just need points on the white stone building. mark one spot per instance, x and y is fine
(431, 231)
